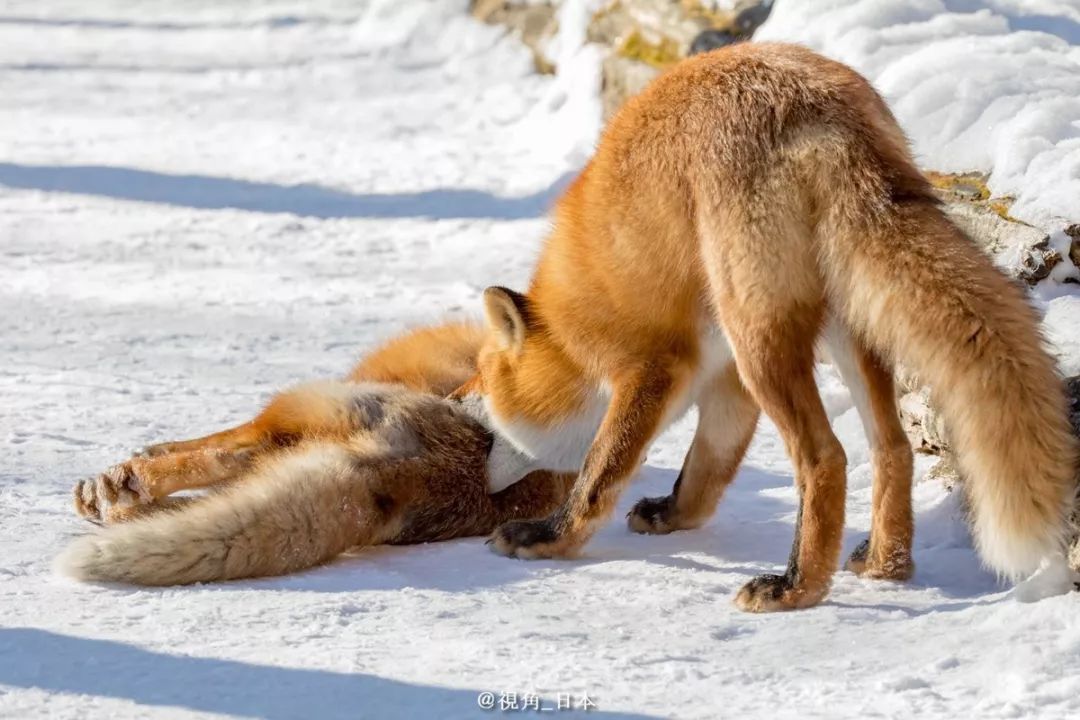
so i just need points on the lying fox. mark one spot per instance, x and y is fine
(379, 458)
(746, 204)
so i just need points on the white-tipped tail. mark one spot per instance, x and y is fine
(921, 293)
(296, 513)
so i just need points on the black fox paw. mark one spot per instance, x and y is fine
(896, 565)
(651, 515)
(856, 561)
(773, 593)
(531, 539)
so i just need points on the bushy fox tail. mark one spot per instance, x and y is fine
(295, 513)
(921, 293)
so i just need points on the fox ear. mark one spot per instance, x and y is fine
(507, 314)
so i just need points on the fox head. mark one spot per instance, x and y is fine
(532, 393)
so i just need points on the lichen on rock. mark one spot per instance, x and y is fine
(1021, 250)
(643, 37)
(659, 54)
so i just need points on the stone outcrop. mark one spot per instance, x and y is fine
(647, 36)
(1074, 416)
(534, 23)
(642, 36)
(1021, 250)
(1073, 231)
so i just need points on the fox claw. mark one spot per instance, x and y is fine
(856, 562)
(97, 499)
(896, 565)
(650, 515)
(773, 593)
(530, 539)
(765, 593)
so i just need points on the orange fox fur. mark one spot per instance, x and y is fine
(750, 203)
(381, 458)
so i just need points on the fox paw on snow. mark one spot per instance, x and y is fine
(110, 496)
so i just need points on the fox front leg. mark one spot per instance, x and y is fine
(637, 408)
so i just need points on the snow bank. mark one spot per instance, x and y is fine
(567, 121)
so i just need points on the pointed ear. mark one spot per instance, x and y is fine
(507, 314)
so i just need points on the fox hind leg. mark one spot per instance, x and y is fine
(886, 554)
(316, 409)
(324, 409)
(770, 300)
(774, 352)
(252, 433)
(110, 496)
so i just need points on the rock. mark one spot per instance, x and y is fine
(1072, 387)
(945, 472)
(712, 39)
(1074, 544)
(1021, 250)
(658, 23)
(906, 380)
(535, 23)
(646, 36)
(749, 16)
(643, 37)
(623, 78)
(487, 10)
(926, 429)
(1073, 231)
(747, 19)
(922, 423)
(961, 186)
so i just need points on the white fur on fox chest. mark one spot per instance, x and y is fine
(559, 447)
(563, 446)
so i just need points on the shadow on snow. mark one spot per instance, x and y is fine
(33, 658)
(204, 192)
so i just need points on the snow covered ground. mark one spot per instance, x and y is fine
(202, 202)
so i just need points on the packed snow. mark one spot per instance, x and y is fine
(203, 202)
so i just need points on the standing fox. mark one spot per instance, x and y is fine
(748, 203)
(380, 458)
